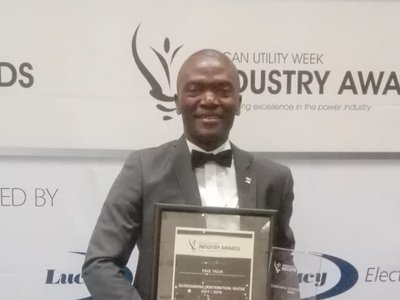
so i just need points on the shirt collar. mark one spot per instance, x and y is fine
(223, 147)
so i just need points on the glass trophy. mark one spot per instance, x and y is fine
(296, 274)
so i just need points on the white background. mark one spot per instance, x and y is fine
(89, 94)
(345, 208)
(89, 103)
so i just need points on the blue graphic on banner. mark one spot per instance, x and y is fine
(348, 278)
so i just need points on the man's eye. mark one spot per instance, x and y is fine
(193, 90)
(225, 91)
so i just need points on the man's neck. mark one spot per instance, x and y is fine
(224, 146)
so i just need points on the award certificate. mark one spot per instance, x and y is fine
(211, 253)
(212, 264)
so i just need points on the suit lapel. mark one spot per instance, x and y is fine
(245, 178)
(185, 175)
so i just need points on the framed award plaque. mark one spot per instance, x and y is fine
(211, 253)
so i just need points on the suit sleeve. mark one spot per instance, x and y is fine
(284, 235)
(115, 236)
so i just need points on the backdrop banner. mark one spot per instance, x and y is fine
(315, 76)
(48, 209)
(49, 206)
(82, 82)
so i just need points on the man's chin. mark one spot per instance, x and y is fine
(210, 140)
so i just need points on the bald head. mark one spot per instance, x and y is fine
(207, 58)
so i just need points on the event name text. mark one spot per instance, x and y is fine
(295, 81)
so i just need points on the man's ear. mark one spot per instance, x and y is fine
(178, 111)
(239, 105)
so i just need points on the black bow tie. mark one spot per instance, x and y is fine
(223, 158)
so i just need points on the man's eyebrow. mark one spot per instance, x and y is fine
(192, 84)
(212, 82)
(224, 82)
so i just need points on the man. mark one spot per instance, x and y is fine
(208, 100)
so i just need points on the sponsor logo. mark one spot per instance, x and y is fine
(379, 274)
(62, 278)
(166, 58)
(11, 74)
(325, 277)
(348, 277)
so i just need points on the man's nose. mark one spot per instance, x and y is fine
(209, 98)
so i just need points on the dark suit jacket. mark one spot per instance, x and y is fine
(164, 174)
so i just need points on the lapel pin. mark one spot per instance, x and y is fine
(247, 180)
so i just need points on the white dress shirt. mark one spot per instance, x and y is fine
(217, 187)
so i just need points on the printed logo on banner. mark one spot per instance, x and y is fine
(11, 74)
(334, 276)
(193, 244)
(378, 274)
(57, 277)
(279, 73)
(166, 59)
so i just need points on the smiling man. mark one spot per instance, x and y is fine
(208, 98)
(202, 167)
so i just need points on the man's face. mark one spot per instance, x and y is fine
(208, 99)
